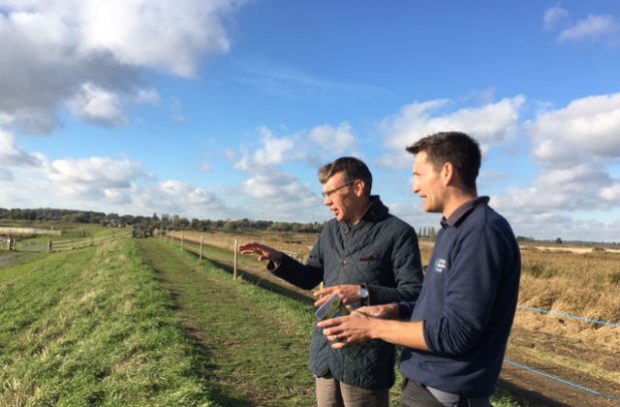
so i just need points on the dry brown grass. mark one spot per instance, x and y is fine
(584, 283)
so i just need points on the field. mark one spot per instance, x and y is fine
(584, 282)
(140, 322)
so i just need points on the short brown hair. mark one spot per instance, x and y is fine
(454, 147)
(354, 169)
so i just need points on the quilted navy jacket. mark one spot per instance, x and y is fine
(381, 252)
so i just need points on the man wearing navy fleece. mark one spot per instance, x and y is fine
(456, 335)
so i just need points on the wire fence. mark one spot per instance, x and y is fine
(568, 316)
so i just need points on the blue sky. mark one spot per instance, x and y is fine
(225, 109)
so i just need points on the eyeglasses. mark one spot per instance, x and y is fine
(327, 194)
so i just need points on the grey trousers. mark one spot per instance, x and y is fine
(332, 393)
(417, 395)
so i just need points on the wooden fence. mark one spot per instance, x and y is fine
(10, 231)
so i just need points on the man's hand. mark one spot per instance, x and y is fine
(264, 252)
(350, 294)
(343, 331)
(367, 323)
(385, 311)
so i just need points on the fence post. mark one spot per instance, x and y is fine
(201, 244)
(235, 261)
(8, 243)
(49, 246)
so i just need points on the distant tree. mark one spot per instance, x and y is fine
(432, 233)
(558, 241)
(195, 224)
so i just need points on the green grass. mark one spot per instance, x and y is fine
(249, 329)
(141, 323)
(94, 328)
(259, 340)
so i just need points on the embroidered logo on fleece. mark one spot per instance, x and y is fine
(440, 265)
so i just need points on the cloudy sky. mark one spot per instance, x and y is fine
(226, 108)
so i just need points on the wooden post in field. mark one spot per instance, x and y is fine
(8, 244)
(235, 261)
(201, 244)
(49, 246)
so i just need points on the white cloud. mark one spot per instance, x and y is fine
(575, 147)
(51, 49)
(146, 33)
(489, 124)
(95, 173)
(173, 196)
(98, 105)
(592, 28)
(12, 155)
(6, 175)
(553, 16)
(191, 195)
(97, 183)
(147, 96)
(550, 225)
(337, 140)
(274, 151)
(281, 195)
(586, 129)
(566, 189)
(611, 193)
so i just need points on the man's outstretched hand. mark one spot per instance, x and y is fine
(264, 252)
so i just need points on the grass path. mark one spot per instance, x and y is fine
(257, 341)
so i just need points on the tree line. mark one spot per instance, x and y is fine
(165, 221)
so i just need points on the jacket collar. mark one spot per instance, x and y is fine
(376, 211)
(462, 211)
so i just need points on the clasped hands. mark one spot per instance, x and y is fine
(356, 327)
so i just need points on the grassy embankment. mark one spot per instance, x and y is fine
(100, 327)
(93, 327)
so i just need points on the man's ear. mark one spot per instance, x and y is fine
(447, 174)
(359, 187)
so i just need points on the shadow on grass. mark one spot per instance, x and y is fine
(266, 284)
(528, 397)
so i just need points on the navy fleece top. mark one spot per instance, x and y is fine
(467, 303)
